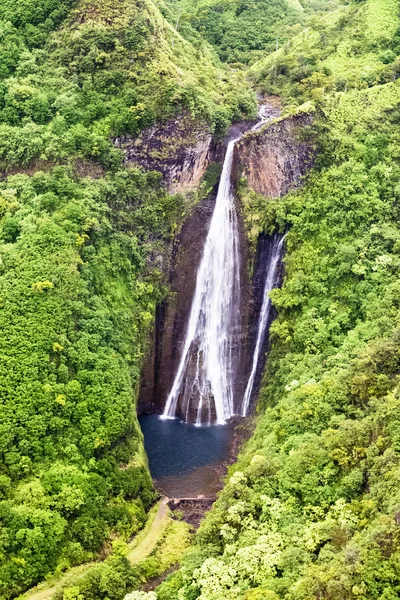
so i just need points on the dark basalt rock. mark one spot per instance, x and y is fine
(172, 315)
(181, 149)
(264, 253)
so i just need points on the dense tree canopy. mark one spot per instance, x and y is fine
(312, 508)
(74, 311)
(78, 292)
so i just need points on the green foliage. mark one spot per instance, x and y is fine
(67, 95)
(240, 31)
(76, 305)
(168, 552)
(77, 287)
(26, 24)
(109, 580)
(352, 47)
(311, 509)
(115, 577)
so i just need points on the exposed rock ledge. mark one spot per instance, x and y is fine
(181, 149)
(274, 158)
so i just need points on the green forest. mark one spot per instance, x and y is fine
(311, 508)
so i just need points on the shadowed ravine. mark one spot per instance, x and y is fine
(204, 385)
(271, 276)
(205, 389)
(211, 335)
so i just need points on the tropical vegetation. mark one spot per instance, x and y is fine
(312, 508)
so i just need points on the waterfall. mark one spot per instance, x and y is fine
(203, 390)
(204, 382)
(271, 280)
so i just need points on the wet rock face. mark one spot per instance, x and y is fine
(263, 256)
(275, 158)
(181, 149)
(172, 314)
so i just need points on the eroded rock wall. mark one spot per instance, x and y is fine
(275, 158)
(181, 149)
(172, 314)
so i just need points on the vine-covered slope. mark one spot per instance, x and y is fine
(242, 31)
(311, 510)
(111, 69)
(77, 290)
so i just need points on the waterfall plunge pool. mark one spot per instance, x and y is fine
(186, 461)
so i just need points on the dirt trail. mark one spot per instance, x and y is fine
(140, 548)
(155, 531)
(44, 595)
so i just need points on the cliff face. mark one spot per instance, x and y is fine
(275, 158)
(172, 314)
(181, 149)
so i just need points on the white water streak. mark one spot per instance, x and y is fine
(204, 382)
(270, 283)
(205, 371)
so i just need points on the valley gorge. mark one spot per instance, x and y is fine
(203, 368)
(199, 299)
(275, 145)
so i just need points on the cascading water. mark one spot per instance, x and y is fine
(204, 382)
(204, 386)
(271, 280)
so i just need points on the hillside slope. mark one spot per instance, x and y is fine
(311, 510)
(355, 46)
(78, 292)
(110, 70)
(243, 31)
